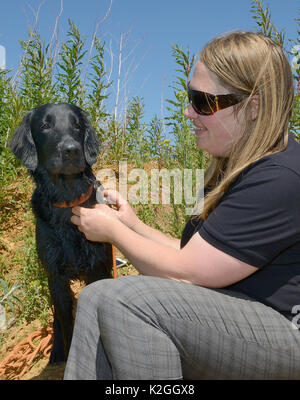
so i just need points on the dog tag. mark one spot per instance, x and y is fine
(99, 193)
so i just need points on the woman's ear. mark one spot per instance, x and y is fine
(254, 106)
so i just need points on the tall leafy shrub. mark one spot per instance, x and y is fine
(262, 17)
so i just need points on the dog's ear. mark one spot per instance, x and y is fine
(91, 141)
(22, 144)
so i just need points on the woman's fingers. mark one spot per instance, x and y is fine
(114, 197)
(106, 209)
(77, 212)
(75, 220)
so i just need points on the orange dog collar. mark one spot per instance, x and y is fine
(83, 198)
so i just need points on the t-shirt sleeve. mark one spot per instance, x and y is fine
(259, 216)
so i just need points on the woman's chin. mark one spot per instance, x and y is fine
(198, 132)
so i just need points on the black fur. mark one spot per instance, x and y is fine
(58, 145)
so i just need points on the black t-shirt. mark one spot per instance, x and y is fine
(258, 222)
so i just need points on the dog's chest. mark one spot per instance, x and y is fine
(59, 242)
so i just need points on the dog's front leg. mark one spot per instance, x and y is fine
(61, 296)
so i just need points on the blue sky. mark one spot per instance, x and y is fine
(149, 29)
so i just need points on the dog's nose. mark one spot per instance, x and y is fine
(71, 151)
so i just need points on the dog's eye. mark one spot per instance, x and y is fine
(77, 126)
(45, 126)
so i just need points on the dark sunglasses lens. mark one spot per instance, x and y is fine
(201, 103)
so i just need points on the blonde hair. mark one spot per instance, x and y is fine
(249, 64)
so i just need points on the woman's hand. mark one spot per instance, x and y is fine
(98, 224)
(124, 211)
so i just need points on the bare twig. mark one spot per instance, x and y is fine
(94, 38)
(124, 77)
(111, 63)
(37, 13)
(119, 76)
(162, 102)
(54, 34)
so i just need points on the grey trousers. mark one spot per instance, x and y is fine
(140, 327)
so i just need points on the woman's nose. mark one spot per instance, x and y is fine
(189, 112)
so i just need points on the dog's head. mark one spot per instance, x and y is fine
(57, 137)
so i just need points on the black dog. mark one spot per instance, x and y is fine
(58, 145)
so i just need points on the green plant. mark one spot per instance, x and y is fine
(186, 154)
(34, 281)
(9, 299)
(136, 143)
(295, 53)
(147, 214)
(36, 86)
(97, 87)
(262, 17)
(70, 65)
(5, 96)
(160, 147)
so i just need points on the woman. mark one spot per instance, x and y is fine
(220, 303)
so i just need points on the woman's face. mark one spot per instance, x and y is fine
(215, 133)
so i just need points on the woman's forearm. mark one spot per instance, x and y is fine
(147, 232)
(129, 218)
(156, 258)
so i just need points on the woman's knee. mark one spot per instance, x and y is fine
(107, 290)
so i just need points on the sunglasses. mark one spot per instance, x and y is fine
(207, 104)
